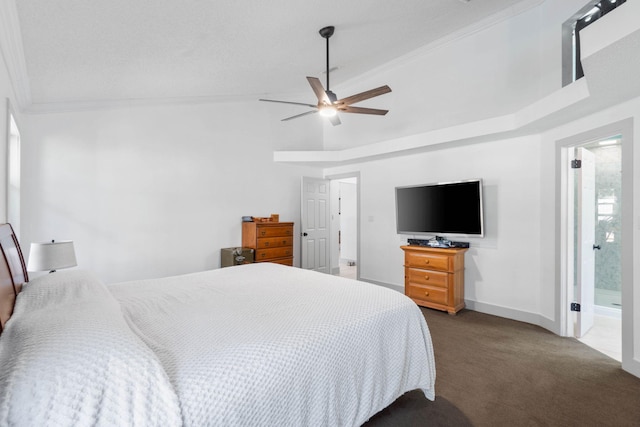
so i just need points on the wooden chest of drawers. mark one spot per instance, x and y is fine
(434, 277)
(272, 241)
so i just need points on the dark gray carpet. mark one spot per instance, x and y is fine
(493, 371)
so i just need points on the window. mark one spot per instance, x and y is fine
(13, 175)
(594, 10)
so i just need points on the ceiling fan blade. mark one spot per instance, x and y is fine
(300, 115)
(316, 85)
(288, 102)
(361, 110)
(335, 120)
(364, 95)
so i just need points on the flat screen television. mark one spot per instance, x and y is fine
(449, 208)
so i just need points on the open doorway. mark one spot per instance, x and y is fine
(565, 149)
(605, 294)
(598, 273)
(344, 226)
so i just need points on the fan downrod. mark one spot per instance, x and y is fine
(327, 32)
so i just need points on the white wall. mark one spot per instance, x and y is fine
(155, 191)
(502, 269)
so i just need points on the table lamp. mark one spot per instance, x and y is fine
(51, 256)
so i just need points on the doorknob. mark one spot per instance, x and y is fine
(596, 247)
(304, 234)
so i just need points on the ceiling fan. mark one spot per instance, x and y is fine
(328, 103)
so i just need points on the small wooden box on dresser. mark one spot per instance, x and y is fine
(434, 277)
(272, 241)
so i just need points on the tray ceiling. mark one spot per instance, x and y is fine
(122, 50)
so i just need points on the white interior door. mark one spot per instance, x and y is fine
(314, 225)
(585, 240)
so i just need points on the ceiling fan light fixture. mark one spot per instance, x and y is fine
(328, 111)
(328, 102)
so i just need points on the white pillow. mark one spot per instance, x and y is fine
(68, 357)
(59, 288)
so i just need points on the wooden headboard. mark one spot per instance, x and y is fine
(13, 272)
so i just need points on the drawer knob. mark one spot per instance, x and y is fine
(426, 277)
(426, 261)
(426, 294)
(266, 243)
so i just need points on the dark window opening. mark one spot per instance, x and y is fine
(572, 66)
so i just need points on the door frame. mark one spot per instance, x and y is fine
(333, 231)
(564, 242)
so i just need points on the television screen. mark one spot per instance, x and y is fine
(440, 208)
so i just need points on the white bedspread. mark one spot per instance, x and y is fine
(68, 358)
(267, 345)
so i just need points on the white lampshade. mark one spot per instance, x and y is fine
(51, 256)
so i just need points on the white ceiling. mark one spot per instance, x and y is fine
(116, 50)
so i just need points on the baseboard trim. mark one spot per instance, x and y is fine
(397, 288)
(513, 314)
(632, 367)
(494, 310)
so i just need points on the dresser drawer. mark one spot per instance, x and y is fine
(275, 231)
(283, 261)
(274, 242)
(426, 293)
(427, 260)
(267, 254)
(428, 277)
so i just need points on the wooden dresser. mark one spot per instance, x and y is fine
(272, 241)
(434, 277)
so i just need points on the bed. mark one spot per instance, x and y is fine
(258, 344)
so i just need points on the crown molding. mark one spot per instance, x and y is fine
(78, 106)
(13, 53)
